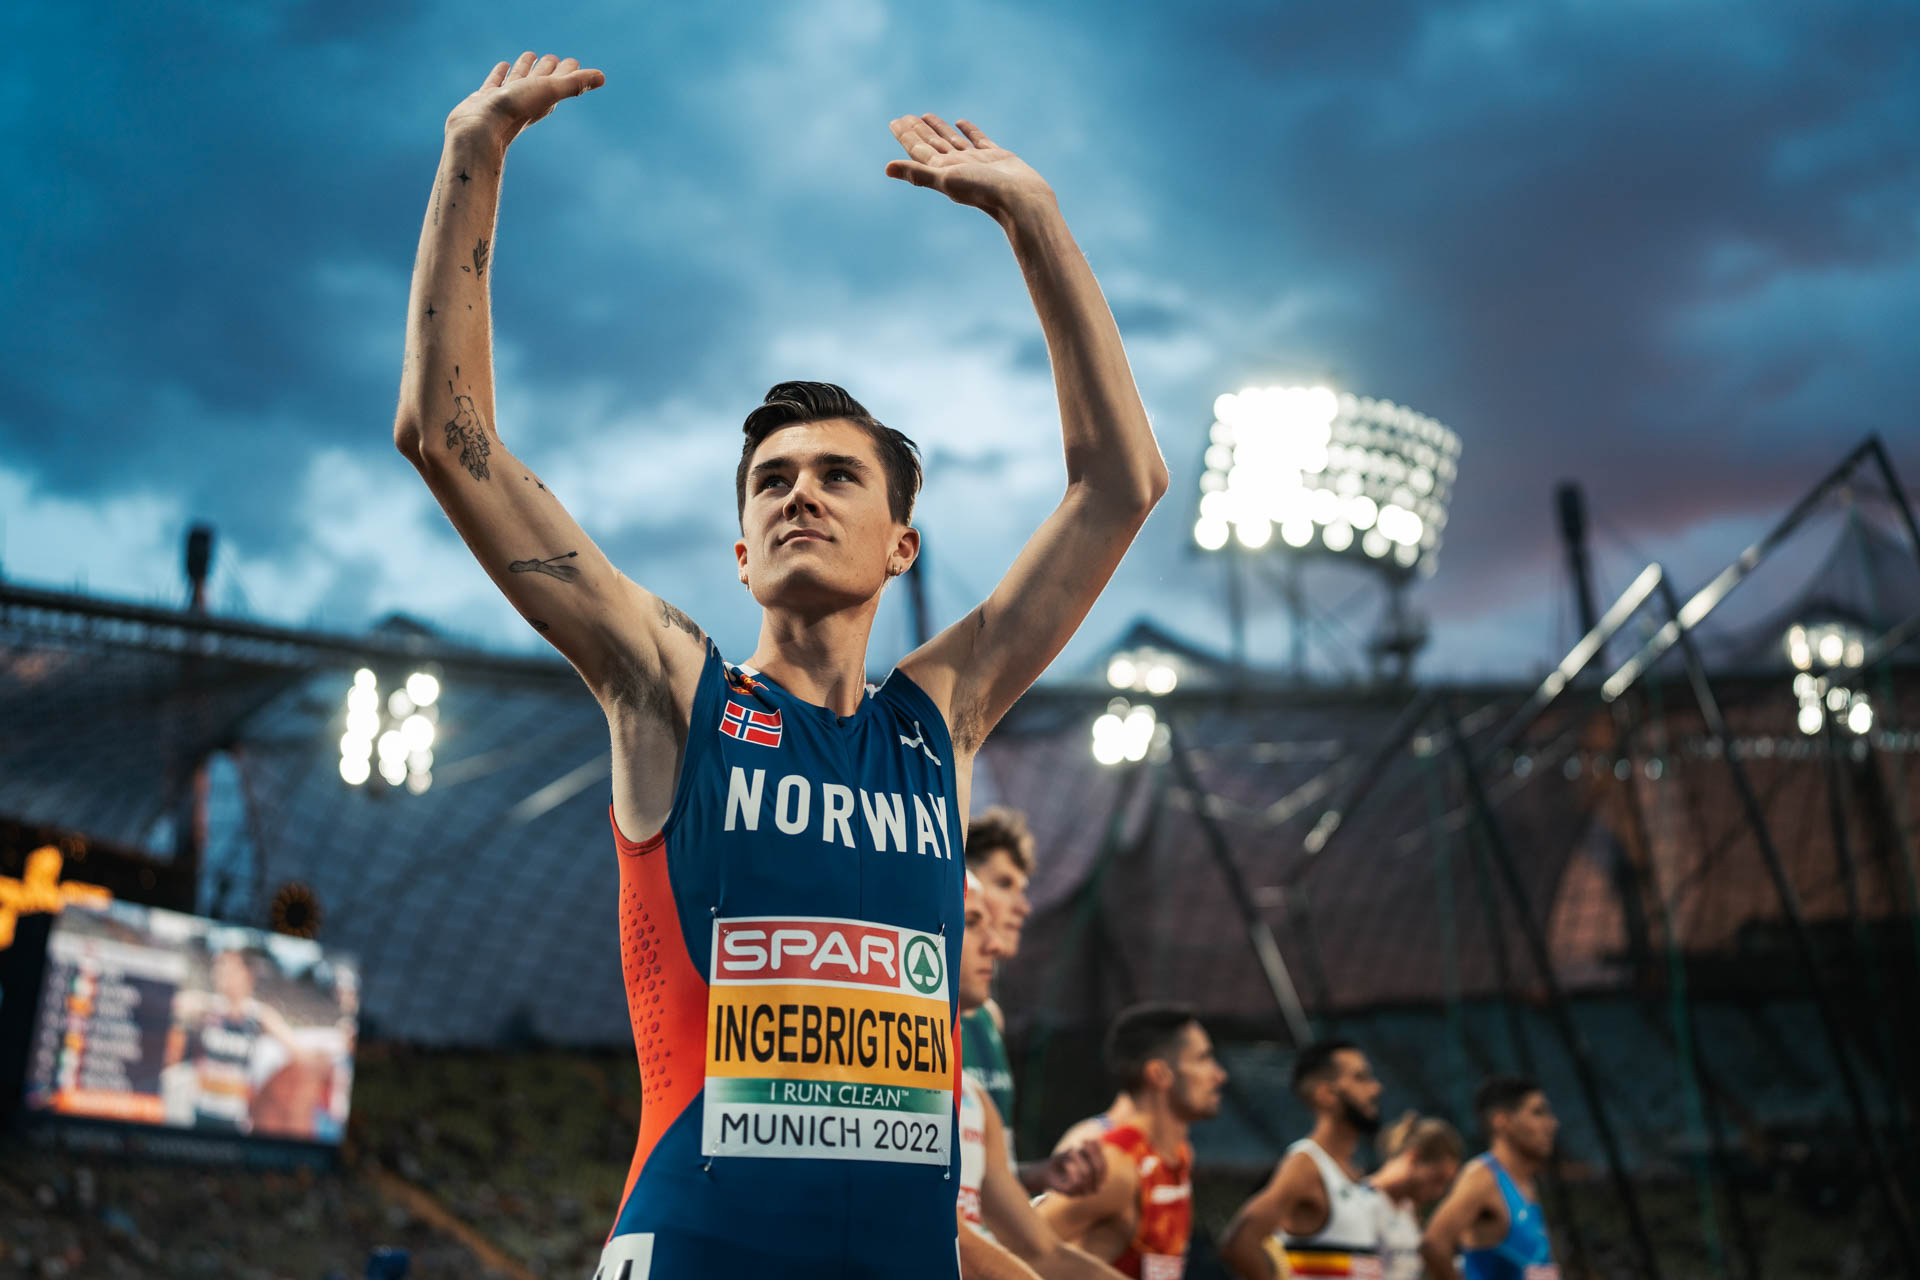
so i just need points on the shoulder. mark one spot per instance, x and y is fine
(1477, 1182)
(1299, 1172)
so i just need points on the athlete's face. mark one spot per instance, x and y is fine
(980, 946)
(1530, 1127)
(231, 977)
(1354, 1092)
(816, 532)
(1197, 1076)
(1432, 1177)
(1008, 885)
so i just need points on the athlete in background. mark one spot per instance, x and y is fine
(1318, 1202)
(995, 1215)
(1423, 1155)
(774, 816)
(1492, 1217)
(1140, 1217)
(1000, 853)
(216, 1032)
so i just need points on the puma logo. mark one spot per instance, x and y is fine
(919, 739)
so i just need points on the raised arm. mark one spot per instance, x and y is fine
(980, 665)
(639, 654)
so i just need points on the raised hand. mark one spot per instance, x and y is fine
(514, 96)
(964, 165)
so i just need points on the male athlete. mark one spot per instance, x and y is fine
(1328, 1217)
(1000, 855)
(1141, 1215)
(1493, 1216)
(791, 893)
(991, 1198)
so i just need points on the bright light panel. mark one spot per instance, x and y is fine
(1307, 462)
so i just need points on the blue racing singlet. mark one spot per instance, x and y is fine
(788, 939)
(1526, 1253)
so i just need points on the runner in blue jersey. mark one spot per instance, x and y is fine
(1492, 1216)
(789, 838)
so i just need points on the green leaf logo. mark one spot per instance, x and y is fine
(925, 965)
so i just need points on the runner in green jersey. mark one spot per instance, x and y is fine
(1000, 854)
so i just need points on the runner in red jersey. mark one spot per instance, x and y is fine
(1140, 1216)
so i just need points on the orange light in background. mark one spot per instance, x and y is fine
(40, 892)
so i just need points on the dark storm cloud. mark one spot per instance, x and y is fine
(1613, 243)
(1669, 251)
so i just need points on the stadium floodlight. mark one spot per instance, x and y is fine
(1347, 475)
(423, 688)
(417, 731)
(1820, 698)
(1825, 644)
(398, 731)
(1144, 670)
(1124, 732)
(1860, 716)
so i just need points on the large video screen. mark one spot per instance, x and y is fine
(151, 1017)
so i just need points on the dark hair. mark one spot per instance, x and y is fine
(1428, 1137)
(1140, 1035)
(1501, 1095)
(1315, 1064)
(792, 404)
(1001, 828)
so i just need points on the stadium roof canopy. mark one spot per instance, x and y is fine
(483, 910)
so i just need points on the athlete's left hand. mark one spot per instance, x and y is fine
(1077, 1171)
(965, 165)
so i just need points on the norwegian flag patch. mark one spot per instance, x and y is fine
(748, 725)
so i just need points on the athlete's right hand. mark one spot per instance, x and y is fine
(1077, 1171)
(514, 96)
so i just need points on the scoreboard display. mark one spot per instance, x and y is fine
(153, 1018)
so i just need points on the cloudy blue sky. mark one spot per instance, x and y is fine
(1670, 250)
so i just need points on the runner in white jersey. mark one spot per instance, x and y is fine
(998, 1223)
(1318, 1204)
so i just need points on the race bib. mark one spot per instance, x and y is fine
(1160, 1266)
(828, 1039)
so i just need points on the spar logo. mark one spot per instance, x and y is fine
(925, 965)
(824, 950)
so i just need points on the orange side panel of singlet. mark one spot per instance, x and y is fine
(666, 996)
(1163, 1228)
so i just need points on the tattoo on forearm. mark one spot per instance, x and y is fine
(539, 625)
(480, 259)
(549, 566)
(466, 433)
(436, 198)
(464, 179)
(672, 617)
(430, 311)
(980, 618)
